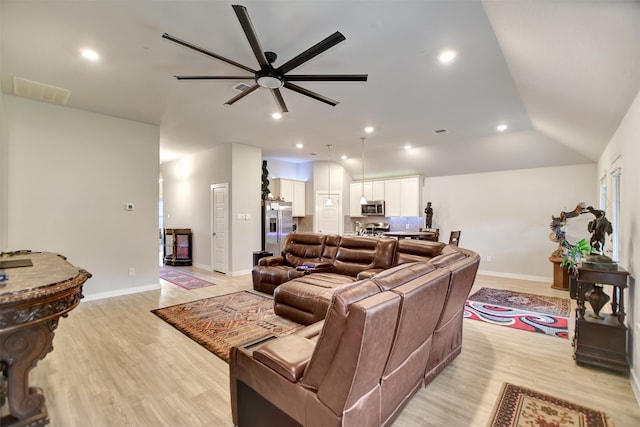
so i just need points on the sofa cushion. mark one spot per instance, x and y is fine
(288, 355)
(303, 247)
(409, 250)
(306, 299)
(356, 254)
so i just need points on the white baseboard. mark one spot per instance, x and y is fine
(635, 386)
(121, 292)
(239, 273)
(203, 266)
(516, 276)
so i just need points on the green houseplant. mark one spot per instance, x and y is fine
(575, 253)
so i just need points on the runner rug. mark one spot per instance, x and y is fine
(520, 407)
(184, 280)
(219, 323)
(528, 312)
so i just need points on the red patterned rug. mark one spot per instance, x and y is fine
(520, 407)
(529, 312)
(184, 280)
(219, 323)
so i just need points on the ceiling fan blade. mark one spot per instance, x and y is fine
(242, 95)
(214, 77)
(206, 52)
(279, 100)
(250, 32)
(310, 94)
(326, 77)
(312, 52)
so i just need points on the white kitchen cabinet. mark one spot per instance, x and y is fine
(355, 191)
(393, 202)
(402, 197)
(291, 191)
(377, 190)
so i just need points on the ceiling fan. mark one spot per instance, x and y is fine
(270, 77)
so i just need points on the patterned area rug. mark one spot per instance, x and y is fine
(182, 279)
(535, 313)
(219, 323)
(520, 407)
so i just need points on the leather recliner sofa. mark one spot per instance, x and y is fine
(382, 340)
(347, 257)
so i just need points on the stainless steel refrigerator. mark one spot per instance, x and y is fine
(278, 224)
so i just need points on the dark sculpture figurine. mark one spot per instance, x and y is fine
(598, 228)
(428, 212)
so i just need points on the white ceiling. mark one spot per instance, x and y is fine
(561, 74)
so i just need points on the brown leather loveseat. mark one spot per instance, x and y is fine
(383, 339)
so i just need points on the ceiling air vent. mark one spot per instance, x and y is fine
(40, 91)
(241, 87)
(438, 131)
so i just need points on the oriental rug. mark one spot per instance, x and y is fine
(184, 280)
(521, 407)
(221, 322)
(528, 312)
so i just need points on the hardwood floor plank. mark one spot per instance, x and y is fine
(116, 363)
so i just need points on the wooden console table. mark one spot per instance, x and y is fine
(31, 303)
(601, 342)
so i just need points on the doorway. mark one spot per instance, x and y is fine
(220, 227)
(328, 219)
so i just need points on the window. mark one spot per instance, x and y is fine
(614, 216)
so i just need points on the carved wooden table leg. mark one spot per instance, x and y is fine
(21, 351)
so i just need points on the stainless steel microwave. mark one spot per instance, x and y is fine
(373, 208)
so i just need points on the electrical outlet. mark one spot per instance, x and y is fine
(132, 271)
(488, 258)
(406, 226)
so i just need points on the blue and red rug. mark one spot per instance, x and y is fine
(528, 312)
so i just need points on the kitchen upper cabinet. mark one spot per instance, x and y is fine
(402, 197)
(355, 191)
(377, 190)
(291, 191)
(410, 196)
(393, 203)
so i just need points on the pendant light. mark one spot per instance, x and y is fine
(363, 200)
(329, 202)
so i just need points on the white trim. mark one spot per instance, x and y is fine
(121, 292)
(238, 273)
(202, 266)
(516, 276)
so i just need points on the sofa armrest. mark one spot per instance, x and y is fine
(271, 260)
(368, 274)
(288, 356)
(311, 331)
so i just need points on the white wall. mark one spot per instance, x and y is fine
(70, 174)
(624, 151)
(187, 200)
(4, 171)
(506, 215)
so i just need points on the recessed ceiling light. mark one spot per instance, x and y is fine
(344, 157)
(502, 128)
(90, 54)
(407, 147)
(277, 116)
(299, 145)
(369, 129)
(447, 56)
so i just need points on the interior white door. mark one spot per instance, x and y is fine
(329, 218)
(220, 227)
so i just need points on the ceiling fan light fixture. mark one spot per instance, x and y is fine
(270, 82)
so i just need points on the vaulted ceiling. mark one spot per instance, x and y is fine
(559, 74)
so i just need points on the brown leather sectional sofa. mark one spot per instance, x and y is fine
(383, 338)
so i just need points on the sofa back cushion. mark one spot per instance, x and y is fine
(355, 254)
(303, 247)
(409, 250)
(330, 249)
(331, 334)
(422, 301)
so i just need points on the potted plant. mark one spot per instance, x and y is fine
(574, 254)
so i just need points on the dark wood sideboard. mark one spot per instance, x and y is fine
(601, 341)
(31, 303)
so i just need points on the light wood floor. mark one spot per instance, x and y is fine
(117, 364)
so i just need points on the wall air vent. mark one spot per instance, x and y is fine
(40, 91)
(439, 131)
(242, 87)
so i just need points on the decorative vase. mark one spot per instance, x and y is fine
(596, 299)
